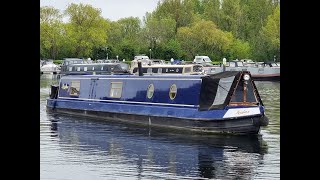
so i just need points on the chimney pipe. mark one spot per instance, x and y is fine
(140, 68)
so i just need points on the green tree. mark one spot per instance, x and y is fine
(176, 28)
(182, 12)
(230, 17)
(212, 11)
(269, 45)
(204, 37)
(158, 31)
(130, 27)
(253, 17)
(86, 30)
(51, 32)
(125, 37)
(168, 50)
(239, 50)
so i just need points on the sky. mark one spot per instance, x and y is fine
(110, 9)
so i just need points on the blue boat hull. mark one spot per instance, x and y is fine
(185, 119)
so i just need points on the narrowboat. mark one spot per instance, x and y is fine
(73, 66)
(260, 71)
(49, 68)
(226, 102)
(94, 68)
(168, 69)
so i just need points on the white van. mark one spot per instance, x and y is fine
(202, 59)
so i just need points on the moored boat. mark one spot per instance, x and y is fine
(169, 69)
(49, 68)
(73, 66)
(263, 71)
(226, 102)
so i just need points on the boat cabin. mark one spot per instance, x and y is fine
(170, 69)
(94, 68)
(68, 61)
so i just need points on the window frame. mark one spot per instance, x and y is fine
(72, 86)
(111, 89)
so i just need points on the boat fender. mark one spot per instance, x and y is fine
(54, 91)
(140, 68)
(264, 121)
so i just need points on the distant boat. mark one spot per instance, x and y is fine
(260, 71)
(49, 68)
(72, 66)
(168, 69)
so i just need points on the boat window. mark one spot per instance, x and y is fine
(240, 64)
(150, 91)
(75, 88)
(85, 68)
(159, 70)
(78, 68)
(223, 90)
(101, 68)
(116, 89)
(187, 70)
(197, 68)
(243, 95)
(154, 70)
(70, 68)
(173, 91)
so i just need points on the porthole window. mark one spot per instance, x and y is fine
(173, 91)
(150, 91)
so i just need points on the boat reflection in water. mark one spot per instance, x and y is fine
(161, 153)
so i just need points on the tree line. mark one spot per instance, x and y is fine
(179, 29)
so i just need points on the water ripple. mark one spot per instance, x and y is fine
(82, 148)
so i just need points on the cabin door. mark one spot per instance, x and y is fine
(92, 92)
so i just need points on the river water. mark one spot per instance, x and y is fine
(82, 148)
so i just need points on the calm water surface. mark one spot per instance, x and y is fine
(82, 148)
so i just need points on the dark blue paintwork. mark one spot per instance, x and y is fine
(135, 88)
